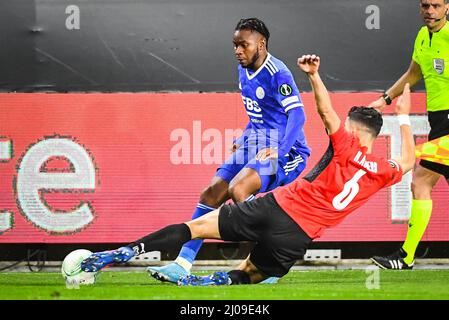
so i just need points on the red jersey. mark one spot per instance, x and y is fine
(343, 180)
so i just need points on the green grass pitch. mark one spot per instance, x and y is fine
(297, 285)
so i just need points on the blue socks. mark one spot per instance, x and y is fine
(190, 249)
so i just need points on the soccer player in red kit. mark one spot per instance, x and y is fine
(284, 223)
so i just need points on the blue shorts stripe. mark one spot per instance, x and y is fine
(203, 206)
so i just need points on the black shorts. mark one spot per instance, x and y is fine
(439, 126)
(280, 242)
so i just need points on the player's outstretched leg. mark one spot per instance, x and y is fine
(180, 268)
(99, 260)
(169, 238)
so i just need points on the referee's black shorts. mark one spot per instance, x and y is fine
(279, 240)
(439, 126)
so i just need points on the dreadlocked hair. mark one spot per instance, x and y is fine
(254, 24)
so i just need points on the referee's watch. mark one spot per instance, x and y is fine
(387, 98)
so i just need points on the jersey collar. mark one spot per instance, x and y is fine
(444, 29)
(251, 76)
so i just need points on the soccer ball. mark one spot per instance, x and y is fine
(71, 269)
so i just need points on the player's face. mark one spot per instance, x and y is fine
(433, 10)
(247, 45)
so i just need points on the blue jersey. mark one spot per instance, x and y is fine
(268, 95)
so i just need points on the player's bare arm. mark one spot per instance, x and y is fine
(411, 76)
(403, 106)
(234, 147)
(267, 153)
(310, 64)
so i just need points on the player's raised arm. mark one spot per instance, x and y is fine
(403, 106)
(310, 64)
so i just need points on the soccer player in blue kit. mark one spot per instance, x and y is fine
(272, 150)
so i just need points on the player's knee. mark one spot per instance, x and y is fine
(237, 193)
(212, 196)
(420, 191)
(198, 227)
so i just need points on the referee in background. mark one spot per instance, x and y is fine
(430, 61)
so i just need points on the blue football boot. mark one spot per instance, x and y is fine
(98, 260)
(219, 278)
(170, 273)
(270, 280)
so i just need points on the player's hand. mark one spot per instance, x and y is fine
(404, 104)
(267, 153)
(309, 63)
(234, 147)
(379, 104)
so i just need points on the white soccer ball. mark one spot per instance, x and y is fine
(71, 269)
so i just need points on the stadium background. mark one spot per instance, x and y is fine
(136, 72)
